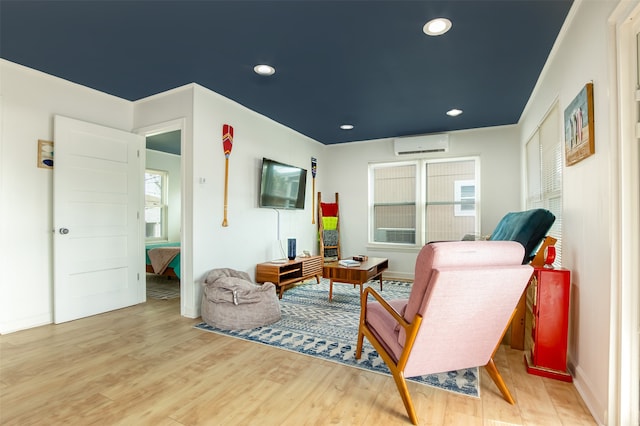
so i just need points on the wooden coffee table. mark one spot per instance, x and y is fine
(367, 270)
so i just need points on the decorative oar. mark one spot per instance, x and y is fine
(314, 169)
(227, 144)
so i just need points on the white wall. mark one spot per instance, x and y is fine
(252, 232)
(169, 163)
(582, 56)
(29, 101)
(251, 236)
(346, 171)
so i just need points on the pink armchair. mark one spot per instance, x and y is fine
(461, 303)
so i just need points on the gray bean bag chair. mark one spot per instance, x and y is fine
(230, 301)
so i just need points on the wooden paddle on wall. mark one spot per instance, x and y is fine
(314, 169)
(227, 144)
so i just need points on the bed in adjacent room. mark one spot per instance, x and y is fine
(163, 258)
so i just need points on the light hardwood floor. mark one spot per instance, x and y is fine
(146, 365)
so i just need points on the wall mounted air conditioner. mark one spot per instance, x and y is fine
(421, 144)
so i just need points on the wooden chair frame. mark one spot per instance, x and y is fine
(411, 329)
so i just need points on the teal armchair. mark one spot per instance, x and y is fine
(528, 227)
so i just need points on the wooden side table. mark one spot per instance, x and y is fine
(371, 268)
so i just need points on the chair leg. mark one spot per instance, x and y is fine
(401, 384)
(358, 353)
(497, 379)
(361, 325)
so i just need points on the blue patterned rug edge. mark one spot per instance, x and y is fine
(204, 326)
(298, 332)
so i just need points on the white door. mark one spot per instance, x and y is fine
(97, 183)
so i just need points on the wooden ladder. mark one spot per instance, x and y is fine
(329, 241)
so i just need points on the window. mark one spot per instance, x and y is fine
(544, 173)
(416, 202)
(393, 189)
(450, 199)
(155, 204)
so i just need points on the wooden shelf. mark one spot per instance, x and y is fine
(283, 275)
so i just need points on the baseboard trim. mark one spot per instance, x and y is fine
(25, 323)
(597, 409)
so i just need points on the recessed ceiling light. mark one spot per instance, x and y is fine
(264, 69)
(437, 26)
(346, 126)
(454, 112)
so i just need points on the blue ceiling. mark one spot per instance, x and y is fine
(366, 63)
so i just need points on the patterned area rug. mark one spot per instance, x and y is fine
(312, 325)
(161, 287)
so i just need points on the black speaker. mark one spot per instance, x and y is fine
(292, 248)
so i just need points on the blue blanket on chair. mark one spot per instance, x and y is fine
(528, 228)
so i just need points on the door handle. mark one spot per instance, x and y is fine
(64, 231)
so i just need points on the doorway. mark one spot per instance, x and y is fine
(163, 210)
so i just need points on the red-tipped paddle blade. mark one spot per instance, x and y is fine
(227, 139)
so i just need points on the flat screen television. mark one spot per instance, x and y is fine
(282, 186)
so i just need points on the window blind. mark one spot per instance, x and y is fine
(544, 173)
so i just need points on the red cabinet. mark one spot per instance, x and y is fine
(547, 323)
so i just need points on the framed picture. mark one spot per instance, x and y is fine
(45, 154)
(579, 134)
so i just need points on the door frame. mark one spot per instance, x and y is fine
(186, 285)
(624, 368)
